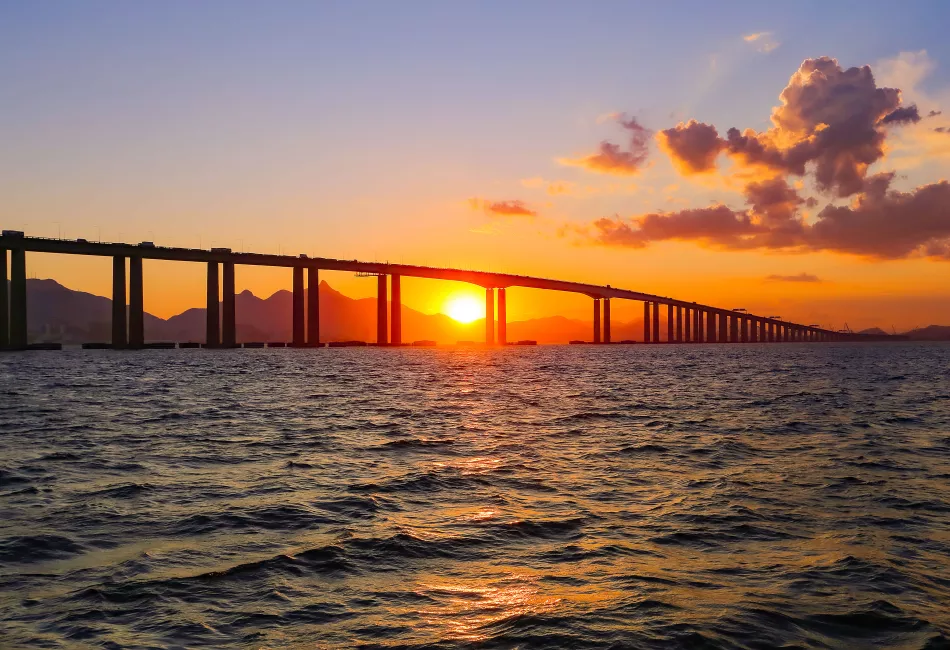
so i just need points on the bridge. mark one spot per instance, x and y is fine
(686, 322)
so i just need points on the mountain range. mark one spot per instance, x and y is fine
(58, 314)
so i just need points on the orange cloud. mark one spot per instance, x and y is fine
(801, 277)
(610, 158)
(513, 208)
(693, 147)
(880, 224)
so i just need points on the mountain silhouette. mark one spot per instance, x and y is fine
(58, 314)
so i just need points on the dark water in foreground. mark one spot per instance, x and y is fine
(702, 496)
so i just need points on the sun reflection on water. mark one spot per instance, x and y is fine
(464, 611)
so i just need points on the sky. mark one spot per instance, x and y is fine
(579, 141)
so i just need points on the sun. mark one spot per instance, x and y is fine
(464, 309)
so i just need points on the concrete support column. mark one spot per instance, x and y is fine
(606, 320)
(298, 306)
(136, 304)
(771, 332)
(687, 325)
(679, 324)
(213, 315)
(743, 329)
(395, 311)
(783, 333)
(669, 324)
(733, 328)
(646, 323)
(18, 336)
(697, 325)
(229, 317)
(710, 327)
(753, 330)
(656, 322)
(4, 302)
(382, 300)
(120, 337)
(313, 306)
(723, 328)
(596, 320)
(503, 317)
(489, 316)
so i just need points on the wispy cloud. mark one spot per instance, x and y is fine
(611, 158)
(512, 208)
(801, 277)
(763, 41)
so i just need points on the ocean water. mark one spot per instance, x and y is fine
(750, 496)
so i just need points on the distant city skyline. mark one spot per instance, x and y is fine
(549, 139)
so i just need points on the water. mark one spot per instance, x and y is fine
(626, 496)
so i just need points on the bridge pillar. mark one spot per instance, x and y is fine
(213, 314)
(606, 302)
(313, 306)
(647, 319)
(395, 311)
(744, 329)
(669, 323)
(656, 322)
(710, 326)
(772, 333)
(723, 328)
(733, 328)
(596, 320)
(697, 325)
(229, 317)
(4, 302)
(687, 324)
(503, 317)
(783, 330)
(18, 331)
(120, 337)
(679, 324)
(382, 298)
(489, 316)
(136, 304)
(753, 330)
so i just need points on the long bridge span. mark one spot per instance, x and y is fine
(686, 322)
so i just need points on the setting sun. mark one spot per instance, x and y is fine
(464, 309)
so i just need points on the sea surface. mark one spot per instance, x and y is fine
(701, 496)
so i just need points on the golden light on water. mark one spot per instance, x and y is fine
(464, 309)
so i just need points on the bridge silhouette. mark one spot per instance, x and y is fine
(686, 322)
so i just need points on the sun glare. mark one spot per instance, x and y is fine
(464, 309)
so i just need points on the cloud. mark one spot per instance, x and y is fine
(887, 224)
(934, 113)
(830, 126)
(716, 224)
(763, 41)
(610, 158)
(502, 208)
(902, 115)
(880, 223)
(829, 117)
(801, 277)
(693, 146)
